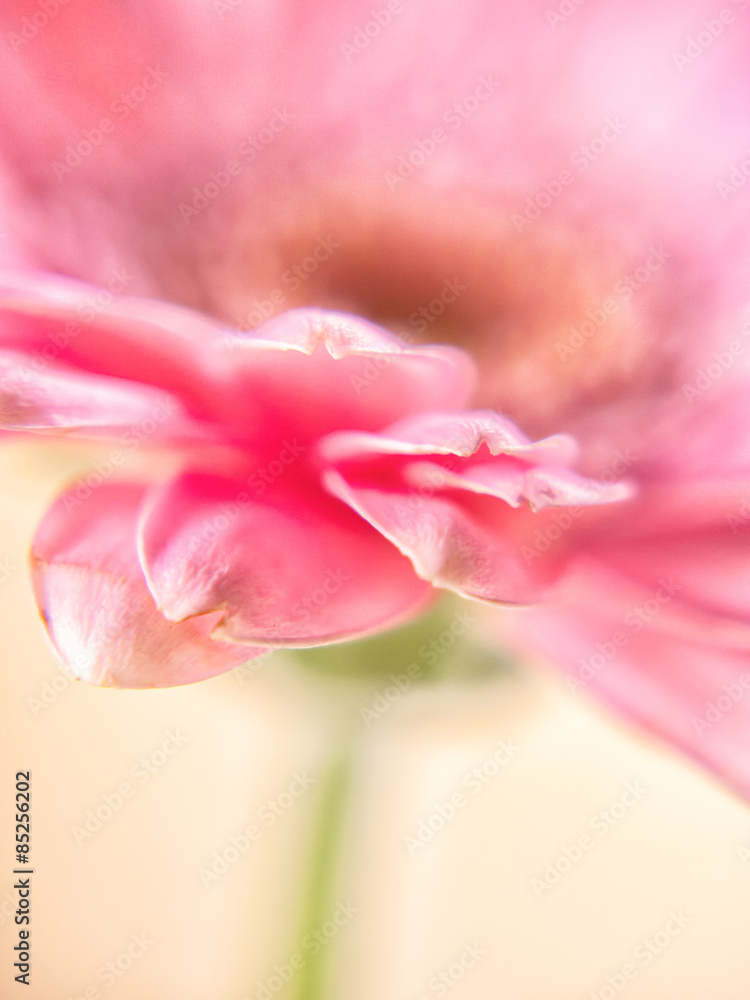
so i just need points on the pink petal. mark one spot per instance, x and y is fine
(667, 665)
(99, 614)
(321, 371)
(293, 568)
(60, 400)
(446, 545)
(444, 434)
(56, 323)
(456, 519)
(539, 487)
(702, 438)
(709, 569)
(303, 374)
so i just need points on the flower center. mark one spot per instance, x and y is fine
(556, 315)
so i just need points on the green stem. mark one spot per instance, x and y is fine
(319, 903)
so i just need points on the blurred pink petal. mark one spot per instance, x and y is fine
(563, 197)
(654, 615)
(667, 655)
(444, 487)
(93, 597)
(258, 542)
(292, 567)
(60, 327)
(319, 371)
(61, 400)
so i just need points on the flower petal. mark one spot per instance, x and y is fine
(99, 614)
(445, 515)
(321, 371)
(440, 433)
(58, 323)
(708, 569)
(295, 568)
(666, 664)
(61, 400)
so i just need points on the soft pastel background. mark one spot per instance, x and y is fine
(685, 846)
(115, 220)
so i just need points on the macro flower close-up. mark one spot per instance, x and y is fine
(285, 438)
(384, 369)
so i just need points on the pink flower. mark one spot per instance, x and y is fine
(653, 614)
(249, 541)
(560, 189)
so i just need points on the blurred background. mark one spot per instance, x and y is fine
(501, 836)
(187, 881)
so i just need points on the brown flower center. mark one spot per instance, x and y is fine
(556, 316)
